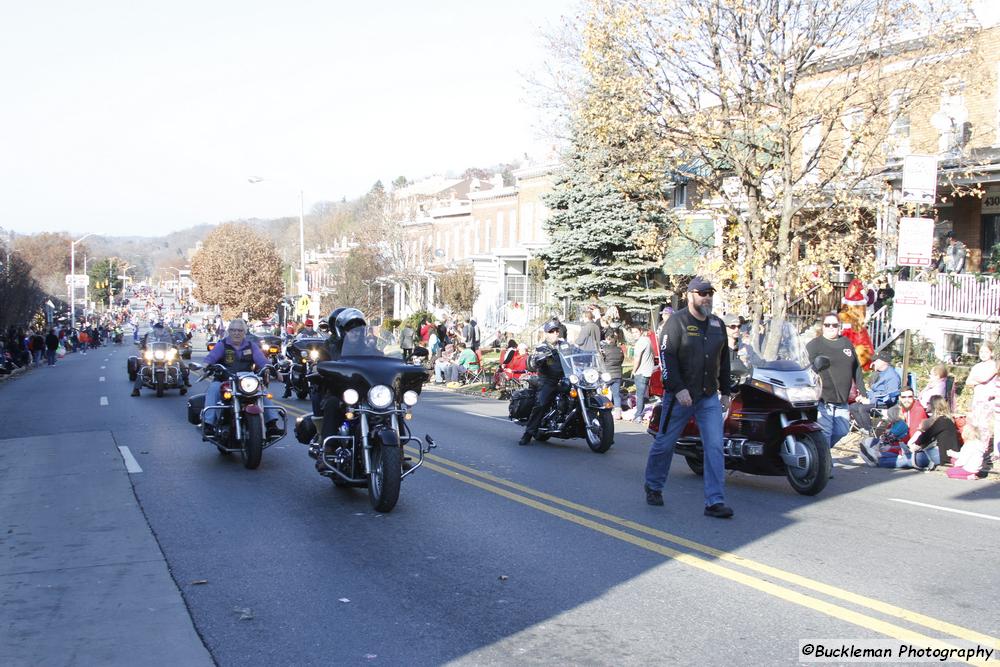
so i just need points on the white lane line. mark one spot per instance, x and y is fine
(499, 419)
(947, 509)
(101, 379)
(104, 400)
(130, 463)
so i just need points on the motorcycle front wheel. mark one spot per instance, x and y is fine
(814, 477)
(384, 480)
(600, 439)
(159, 386)
(253, 442)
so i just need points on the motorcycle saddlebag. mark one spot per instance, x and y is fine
(195, 405)
(305, 430)
(521, 403)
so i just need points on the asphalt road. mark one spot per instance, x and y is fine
(499, 554)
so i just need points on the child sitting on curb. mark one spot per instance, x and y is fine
(968, 461)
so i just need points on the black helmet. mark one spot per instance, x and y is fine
(331, 319)
(349, 318)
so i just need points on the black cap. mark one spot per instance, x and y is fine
(158, 325)
(699, 284)
(551, 325)
(884, 356)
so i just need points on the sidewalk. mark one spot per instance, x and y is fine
(82, 579)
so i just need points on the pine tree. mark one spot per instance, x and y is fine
(603, 243)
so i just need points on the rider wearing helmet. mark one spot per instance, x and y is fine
(340, 321)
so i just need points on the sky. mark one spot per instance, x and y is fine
(140, 118)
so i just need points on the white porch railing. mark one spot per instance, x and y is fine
(966, 296)
(880, 329)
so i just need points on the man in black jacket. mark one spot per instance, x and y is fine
(548, 365)
(695, 375)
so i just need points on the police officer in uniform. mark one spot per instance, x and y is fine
(695, 374)
(546, 362)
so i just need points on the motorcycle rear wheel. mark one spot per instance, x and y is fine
(601, 441)
(253, 442)
(815, 478)
(384, 480)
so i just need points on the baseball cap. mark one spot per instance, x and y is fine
(949, 235)
(884, 356)
(730, 319)
(158, 325)
(699, 284)
(309, 323)
(551, 325)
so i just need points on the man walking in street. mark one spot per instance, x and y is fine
(51, 345)
(695, 383)
(844, 370)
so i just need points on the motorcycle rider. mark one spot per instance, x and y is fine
(340, 321)
(306, 330)
(237, 352)
(159, 334)
(546, 362)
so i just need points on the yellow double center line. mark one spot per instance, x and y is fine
(617, 527)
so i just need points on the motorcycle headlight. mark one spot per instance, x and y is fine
(249, 384)
(147, 355)
(380, 396)
(591, 375)
(159, 355)
(605, 377)
(410, 398)
(574, 379)
(314, 354)
(171, 354)
(350, 396)
(798, 394)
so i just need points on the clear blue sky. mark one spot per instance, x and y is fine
(135, 117)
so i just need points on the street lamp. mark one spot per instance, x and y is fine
(72, 272)
(303, 285)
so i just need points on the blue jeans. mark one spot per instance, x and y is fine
(36, 356)
(214, 394)
(615, 390)
(641, 384)
(50, 357)
(707, 412)
(834, 419)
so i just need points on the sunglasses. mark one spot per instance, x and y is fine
(831, 325)
(704, 292)
(732, 326)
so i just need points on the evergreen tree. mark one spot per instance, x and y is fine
(604, 242)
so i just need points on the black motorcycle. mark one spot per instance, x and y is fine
(159, 367)
(771, 427)
(579, 409)
(369, 393)
(303, 354)
(240, 427)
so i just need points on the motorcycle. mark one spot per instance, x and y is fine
(159, 368)
(370, 393)
(579, 410)
(183, 343)
(240, 427)
(771, 427)
(303, 354)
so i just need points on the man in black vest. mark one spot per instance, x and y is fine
(695, 375)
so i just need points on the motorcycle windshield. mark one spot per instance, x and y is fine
(369, 342)
(777, 346)
(582, 364)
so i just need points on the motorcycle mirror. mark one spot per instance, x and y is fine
(195, 366)
(820, 363)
